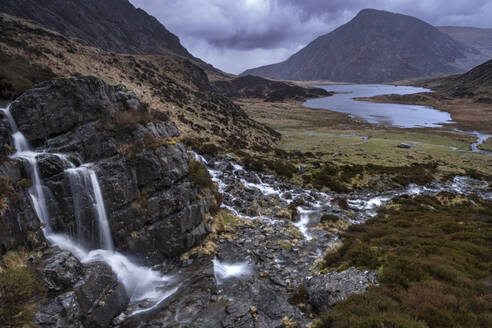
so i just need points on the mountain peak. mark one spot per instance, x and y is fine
(372, 11)
(375, 46)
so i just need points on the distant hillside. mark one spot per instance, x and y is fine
(112, 25)
(476, 81)
(376, 46)
(479, 38)
(269, 90)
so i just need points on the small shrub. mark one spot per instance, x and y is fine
(282, 168)
(329, 218)
(210, 149)
(199, 175)
(301, 296)
(18, 286)
(153, 143)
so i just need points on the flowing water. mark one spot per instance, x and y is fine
(404, 116)
(364, 204)
(92, 241)
(481, 138)
(224, 271)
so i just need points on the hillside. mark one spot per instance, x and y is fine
(112, 25)
(376, 46)
(479, 38)
(172, 85)
(477, 78)
(269, 90)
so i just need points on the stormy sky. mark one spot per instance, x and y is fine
(234, 35)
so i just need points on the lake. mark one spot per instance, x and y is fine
(404, 116)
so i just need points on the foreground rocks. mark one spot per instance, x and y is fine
(328, 289)
(88, 295)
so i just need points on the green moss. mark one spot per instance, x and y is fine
(433, 257)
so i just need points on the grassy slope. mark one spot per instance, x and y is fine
(434, 259)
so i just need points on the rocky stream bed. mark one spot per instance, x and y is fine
(256, 269)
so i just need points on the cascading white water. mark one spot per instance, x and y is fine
(23, 151)
(89, 205)
(141, 283)
(224, 271)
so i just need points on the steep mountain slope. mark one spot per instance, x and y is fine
(479, 38)
(375, 46)
(112, 25)
(171, 85)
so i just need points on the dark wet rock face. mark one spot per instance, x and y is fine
(19, 225)
(61, 270)
(154, 211)
(328, 289)
(89, 295)
(56, 107)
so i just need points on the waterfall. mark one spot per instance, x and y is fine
(92, 241)
(88, 205)
(23, 151)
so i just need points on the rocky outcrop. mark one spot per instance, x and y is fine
(154, 210)
(328, 289)
(89, 295)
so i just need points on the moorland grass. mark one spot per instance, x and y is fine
(434, 261)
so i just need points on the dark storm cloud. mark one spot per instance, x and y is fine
(238, 34)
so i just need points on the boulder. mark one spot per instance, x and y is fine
(92, 295)
(100, 296)
(61, 270)
(328, 289)
(404, 146)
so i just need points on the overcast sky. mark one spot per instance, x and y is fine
(234, 35)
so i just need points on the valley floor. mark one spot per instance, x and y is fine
(338, 138)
